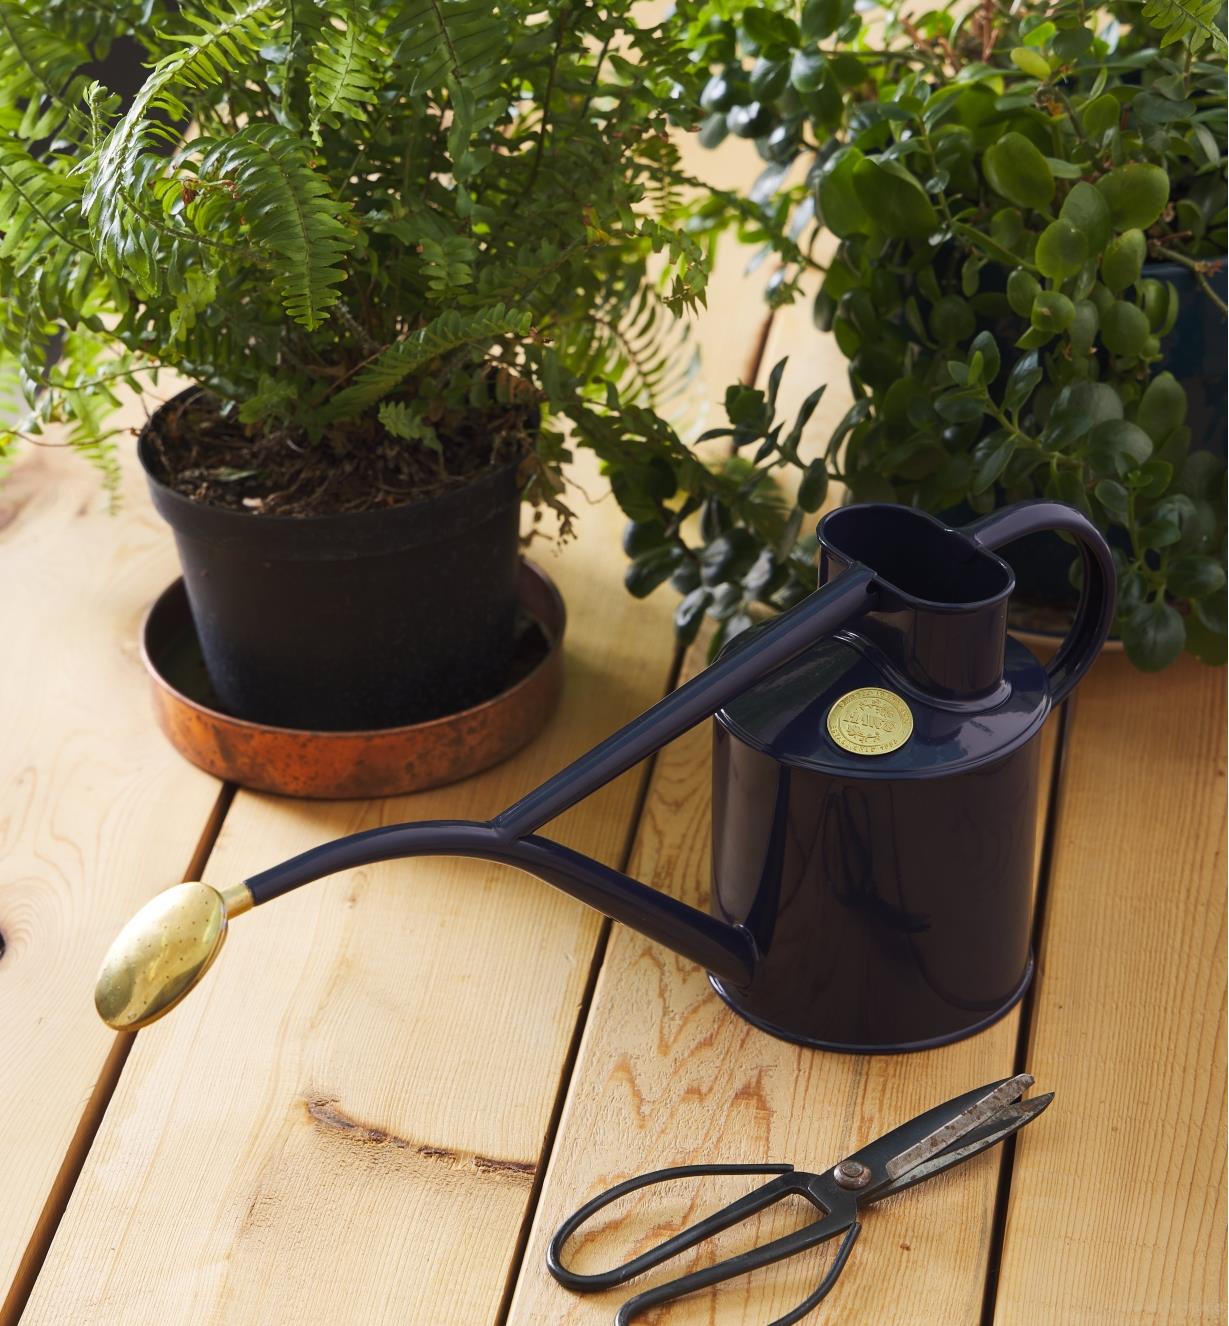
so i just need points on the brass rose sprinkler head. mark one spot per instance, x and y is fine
(163, 951)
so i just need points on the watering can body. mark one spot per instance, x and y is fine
(888, 891)
(875, 784)
(875, 799)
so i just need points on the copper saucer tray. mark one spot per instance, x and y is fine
(375, 763)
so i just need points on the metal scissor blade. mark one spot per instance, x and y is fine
(980, 1111)
(1009, 1120)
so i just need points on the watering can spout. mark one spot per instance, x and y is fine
(167, 947)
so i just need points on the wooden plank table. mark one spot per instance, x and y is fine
(396, 1084)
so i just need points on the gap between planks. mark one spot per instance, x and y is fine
(596, 962)
(1028, 1008)
(95, 1109)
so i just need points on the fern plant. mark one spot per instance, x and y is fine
(354, 224)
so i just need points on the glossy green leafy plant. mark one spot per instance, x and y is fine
(349, 220)
(998, 183)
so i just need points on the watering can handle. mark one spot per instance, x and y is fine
(1095, 611)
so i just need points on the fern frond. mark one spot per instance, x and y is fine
(642, 349)
(51, 275)
(131, 236)
(346, 69)
(438, 40)
(38, 75)
(1192, 22)
(36, 206)
(289, 213)
(450, 331)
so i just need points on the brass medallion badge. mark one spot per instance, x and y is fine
(870, 721)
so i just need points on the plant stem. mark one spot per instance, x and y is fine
(544, 127)
(1199, 267)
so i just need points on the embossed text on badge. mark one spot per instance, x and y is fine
(870, 721)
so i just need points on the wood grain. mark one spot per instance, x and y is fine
(1117, 1209)
(98, 812)
(344, 1123)
(668, 1076)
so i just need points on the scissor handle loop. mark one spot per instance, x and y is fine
(738, 1210)
(799, 1241)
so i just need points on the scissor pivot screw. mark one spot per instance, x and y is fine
(852, 1174)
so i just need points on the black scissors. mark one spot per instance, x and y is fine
(917, 1150)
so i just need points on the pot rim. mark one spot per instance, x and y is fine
(334, 520)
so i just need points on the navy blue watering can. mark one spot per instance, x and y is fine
(875, 782)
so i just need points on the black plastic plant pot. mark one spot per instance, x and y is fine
(367, 619)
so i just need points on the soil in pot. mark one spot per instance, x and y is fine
(348, 587)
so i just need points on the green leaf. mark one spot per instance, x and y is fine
(689, 615)
(449, 331)
(1124, 260)
(1154, 477)
(821, 18)
(985, 345)
(726, 600)
(290, 214)
(1061, 250)
(1084, 327)
(895, 201)
(1136, 194)
(346, 68)
(1113, 497)
(1153, 636)
(952, 320)
(814, 486)
(1086, 209)
(440, 40)
(1101, 115)
(1162, 408)
(126, 176)
(1031, 62)
(990, 458)
(1116, 446)
(641, 535)
(1069, 488)
(1166, 521)
(651, 569)
(1124, 329)
(1024, 376)
(728, 556)
(958, 409)
(807, 71)
(713, 131)
(1052, 312)
(720, 94)
(1022, 288)
(769, 77)
(1212, 612)
(1018, 172)
(1195, 576)
(1193, 22)
(40, 71)
(402, 421)
(1071, 43)
(839, 205)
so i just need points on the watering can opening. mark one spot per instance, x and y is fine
(916, 554)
